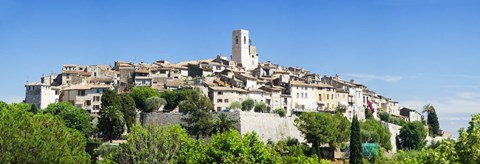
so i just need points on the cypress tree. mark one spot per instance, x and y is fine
(356, 153)
(432, 120)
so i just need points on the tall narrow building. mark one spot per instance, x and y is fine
(242, 51)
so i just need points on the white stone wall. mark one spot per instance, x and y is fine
(266, 125)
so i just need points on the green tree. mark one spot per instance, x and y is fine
(111, 98)
(373, 131)
(412, 136)
(248, 104)
(128, 110)
(281, 112)
(154, 103)
(158, 144)
(384, 116)
(261, 107)
(33, 109)
(323, 128)
(223, 123)
(356, 151)
(140, 95)
(3, 105)
(231, 147)
(111, 122)
(235, 105)
(75, 118)
(468, 145)
(39, 138)
(368, 113)
(432, 120)
(199, 120)
(174, 98)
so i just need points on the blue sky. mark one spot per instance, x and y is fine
(415, 51)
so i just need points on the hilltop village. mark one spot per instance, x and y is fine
(225, 81)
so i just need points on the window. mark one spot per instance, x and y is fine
(99, 90)
(226, 100)
(96, 107)
(220, 93)
(298, 95)
(57, 92)
(96, 98)
(236, 39)
(219, 108)
(219, 100)
(244, 39)
(88, 103)
(81, 92)
(306, 95)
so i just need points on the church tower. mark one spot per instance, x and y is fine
(242, 52)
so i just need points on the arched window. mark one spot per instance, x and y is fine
(236, 39)
(244, 40)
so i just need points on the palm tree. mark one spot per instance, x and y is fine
(428, 109)
(223, 123)
(111, 122)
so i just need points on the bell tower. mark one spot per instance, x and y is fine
(242, 51)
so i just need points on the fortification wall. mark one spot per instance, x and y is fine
(268, 126)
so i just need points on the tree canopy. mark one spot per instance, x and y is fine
(74, 117)
(356, 151)
(111, 122)
(154, 104)
(141, 94)
(432, 120)
(174, 98)
(235, 105)
(39, 138)
(261, 107)
(412, 135)
(248, 104)
(323, 128)
(199, 120)
(128, 110)
(372, 131)
(223, 123)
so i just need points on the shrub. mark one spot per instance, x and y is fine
(281, 112)
(261, 107)
(247, 105)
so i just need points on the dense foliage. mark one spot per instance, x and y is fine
(72, 116)
(235, 105)
(248, 104)
(356, 151)
(141, 94)
(432, 120)
(38, 138)
(261, 107)
(281, 112)
(111, 122)
(128, 110)
(154, 104)
(372, 131)
(223, 123)
(159, 144)
(412, 136)
(174, 98)
(323, 128)
(199, 120)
